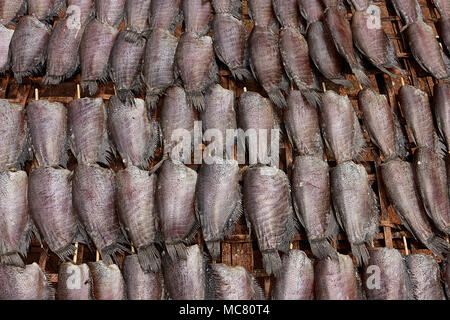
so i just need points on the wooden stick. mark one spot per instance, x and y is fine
(406, 245)
(292, 86)
(115, 92)
(324, 87)
(245, 89)
(360, 86)
(403, 81)
(132, 249)
(75, 255)
(36, 94)
(78, 91)
(97, 256)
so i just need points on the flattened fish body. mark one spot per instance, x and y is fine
(311, 10)
(108, 281)
(9, 9)
(165, 14)
(261, 12)
(443, 7)
(137, 14)
(425, 277)
(442, 110)
(80, 11)
(141, 285)
(74, 282)
(361, 5)
(407, 10)
(110, 12)
(287, 13)
(444, 31)
(6, 35)
(45, 9)
(197, 15)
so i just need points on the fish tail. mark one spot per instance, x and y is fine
(322, 249)
(272, 262)
(52, 80)
(363, 79)
(108, 254)
(65, 253)
(343, 82)
(176, 251)
(151, 100)
(360, 252)
(313, 97)
(196, 99)
(92, 86)
(241, 74)
(12, 259)
(149, 258)
(125, 95)
(214, 249)
(277, 97)
(438, 246)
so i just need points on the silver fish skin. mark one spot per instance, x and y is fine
(443, 7)
(93, 192)
(233, 283)
(311, 10)
(360, 5)
(218, 201)
(356, 207)
(232, 7)
(426, 50)
(196, 65)
(177, 119)
(340, 127)
(108, 281)
(341, 32)
(50, 201)
(220, 115)
(15, 221)
(268, 207)
(133, 131)
(388, 268)
(80, 11)
(48, 128)
(74, 282)
(301, 121)
(186, 279)
(13, 135)
(431, 178)
(442, 110)
(175, 199)
(416, 109)
(407, 10)
(373, 42)
(137, 15)
(337, 279)
(141, 285)
(287, 13)
(95, 48)
(136, 205)
(159, 64)
(88, 130)
(257, 118)
(197, 16)
(444, 31)
(381, 124)
(398, 179)
(261, 12)
(10, 9)
(45, 9)
(324, 54)
(297, 278)
(312, 204)
(29, 283)
(425, 277)
(110, 12)
(28, 47)
(6, 35)
(446, 270)
(165, 14)
(125, 63)
(266, 63)
(230, 44)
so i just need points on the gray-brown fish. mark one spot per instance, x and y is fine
(232, 7)
(261, 12)
(125, 63)
(88, 130)
(16, 225)
(381, 124)
(266, 63)
(133, 131)
(218, 117)
(175, 198)
(442, 110)
(311, 10)
(80, 11)
(431, 178)
(425, 277)
(48, 129)
(94, 203)
(45, 9)
(356, 207)
(28, 47)
(110, 12)
(407, 10)
(197, 15)
(230, 44)
(324, 54)
(340, 127)
(341, 32)
(137, 14)
(443, 7)
(444, 31)
(108, 281)
(159, 64)
(297, 278)
(50, 201)
(416, 109)
(186, 279)
(398, 179)
(139, 284)
(268, 206)
(386, 277)
(426, 50)
(13, 135)
(29, 283)
(312, 204)
(233, 283)
(446, 272)
(74, 282)
(218, 201)
(136, 205)
(165, 14)
(177, 120)
(301, 121)
(5, 39)
(197, 67)
(10, 9)
(288, 14)
(337, 279)
(95, 48)
(360, 5)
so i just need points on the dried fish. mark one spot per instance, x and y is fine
(444, 31)
(141, 285)
(442, 110)
(108, 281)
(407, 10)
(232, 7)
(197, 15)
(165, 14)
(261, 12)
(311, 10)
(110, 12)
(443, 7)
(10, 9)
(45, 9)
(74, 282)
(80, 11)
(447, 275)
(360, 5)
(288, 14)
(137, 14)
(6, 35)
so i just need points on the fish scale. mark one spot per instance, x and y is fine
(141, 285)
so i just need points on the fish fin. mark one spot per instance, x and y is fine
(91, 86)
(235, 215)
(419, 11)
(214, 249)
(241, 74)
(360, 252)
(322, 249)
(361, 295)
(360, 74)
(258, 292)
(152, 98)
(272, 262)
(277, 98)
(313, 97)
(125, 95)
(358, 136)
(176, 251)
(11, 259)
(438, 246)
(27, 237)
(197, 100)
(400, 139)
(81, 234)
(342, 82)
(49, 291)
(298, 214)
(66, 252)
(392, 56)
(447, 64)
(149, 258)
(439, 146)
(211, 287)
(374, 217)
(108, 254)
